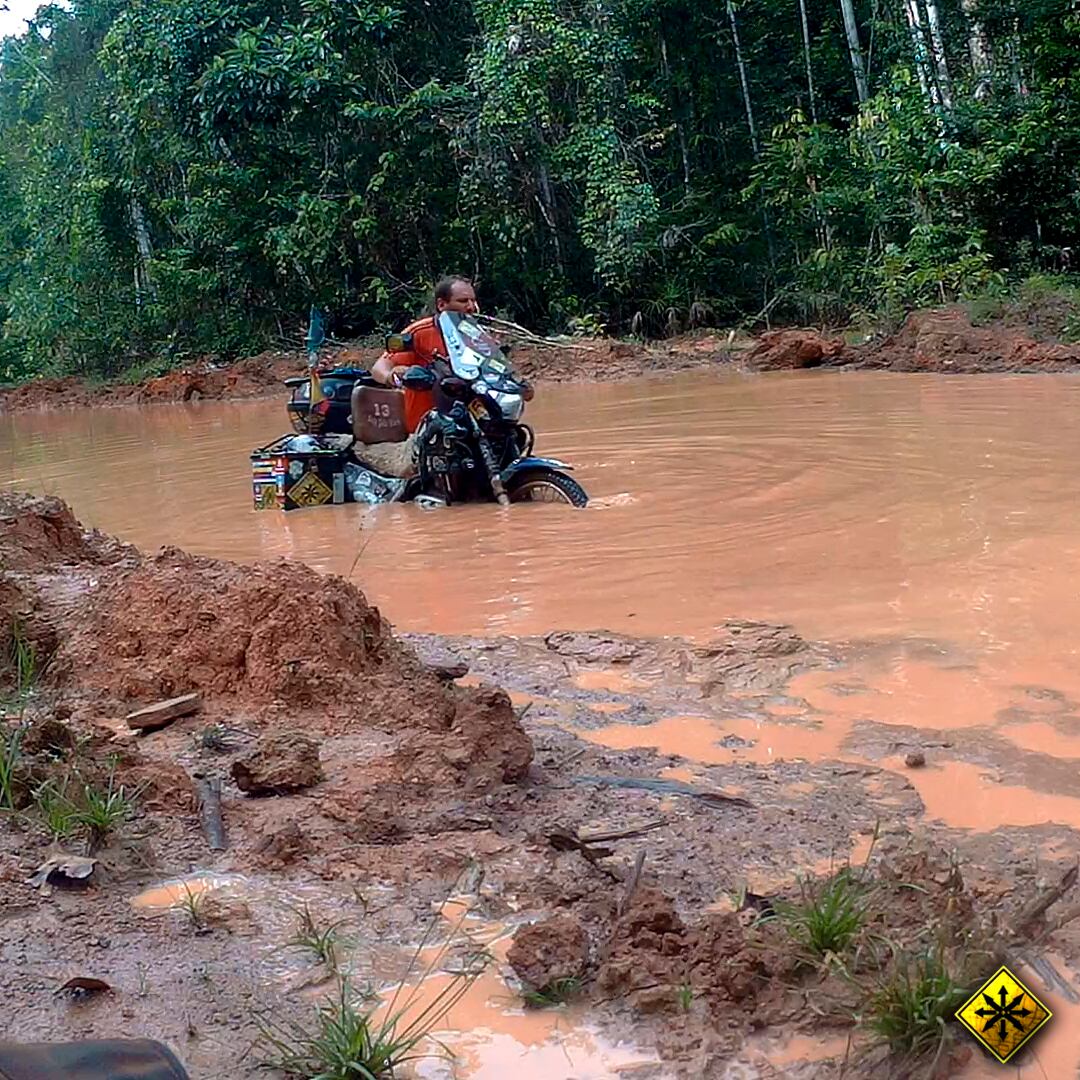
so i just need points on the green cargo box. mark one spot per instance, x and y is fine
(283, 479)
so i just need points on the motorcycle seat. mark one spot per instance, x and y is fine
(378, 415)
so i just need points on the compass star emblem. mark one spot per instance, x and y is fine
(1003, 1014)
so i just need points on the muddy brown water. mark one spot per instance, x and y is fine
(854, 506)
(938, 514)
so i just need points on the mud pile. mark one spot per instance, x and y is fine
(779, 350)
(942, 340)
(273, 641)
(250, 377)
(946, 341)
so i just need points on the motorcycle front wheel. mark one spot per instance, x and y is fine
(546, 485)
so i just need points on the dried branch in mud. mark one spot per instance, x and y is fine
(621, 834)
(528, 337)
(563, 838)
(1047, 897)
(210, 814)
(665, 787)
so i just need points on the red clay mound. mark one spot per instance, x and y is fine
(37, 534)
(785, 349)
(269, 632)
(944, 340)
(247, 637)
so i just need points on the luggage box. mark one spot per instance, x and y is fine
(291, 479)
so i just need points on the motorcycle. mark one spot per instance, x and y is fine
(472, 446)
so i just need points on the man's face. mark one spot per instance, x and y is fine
(462, 298)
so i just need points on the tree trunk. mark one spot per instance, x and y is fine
(806, 56)
(922, 61)
(750, 122)
(982, 57)
(144, 285)
(937, 45)
(745, 82)
(858, 67)
(546, 202)
(680, 128)
(1015, 66)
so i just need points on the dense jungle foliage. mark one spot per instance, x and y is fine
(188, 176)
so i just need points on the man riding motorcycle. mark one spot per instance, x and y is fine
(452, 293)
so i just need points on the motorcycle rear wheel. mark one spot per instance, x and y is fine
(546, 485)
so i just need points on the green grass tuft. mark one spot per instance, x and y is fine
(322, 941)
(913, 1008)
(9, 761)
(558, 992)
(829, 915)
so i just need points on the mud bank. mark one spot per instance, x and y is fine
(371, 779)
(942, 340)
(587, 360)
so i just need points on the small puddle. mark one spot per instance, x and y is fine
(967, 796)
(1043, 738)
(489, 1032)
(795, 1050)
(609, 707)
(610, 681)
(699, 739)
(180, 891)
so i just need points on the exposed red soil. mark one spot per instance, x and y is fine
(942, 341)
(122, 630)
(939, 340)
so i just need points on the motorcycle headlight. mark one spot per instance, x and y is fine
(512, 405)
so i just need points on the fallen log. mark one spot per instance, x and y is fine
(210, 813)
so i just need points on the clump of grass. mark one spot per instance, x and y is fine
(21, 662)
(215, 738)
(10, 739)
(322, 941)
(557, 992)
(57, 812)
(345, 1042)
(913, 1007)
(828, 916)
(348, 1039)
(101, 811)
(685, 997)
(192, 905)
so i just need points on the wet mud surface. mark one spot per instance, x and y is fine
(603, 809)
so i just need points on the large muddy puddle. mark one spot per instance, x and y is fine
(850, 505)
(856, 507)
(930, 526)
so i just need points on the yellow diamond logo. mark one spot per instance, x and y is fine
(310, 491)
(1003, 1014)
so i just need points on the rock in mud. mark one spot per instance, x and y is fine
(548, 951)
(47, 735)
(279, 764)
(785, 349)
(915, 760)
(484, 745)
(283, 846)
